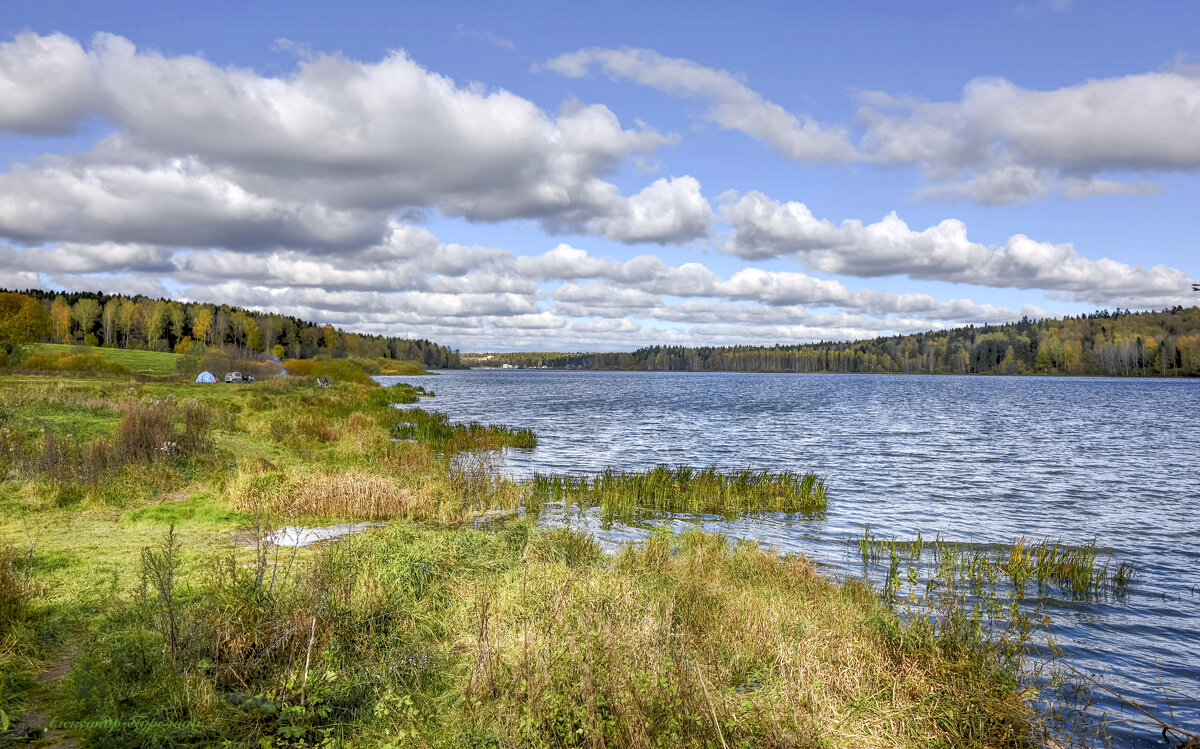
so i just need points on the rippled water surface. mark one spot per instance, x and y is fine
(979, 459)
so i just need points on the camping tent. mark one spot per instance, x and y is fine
(205, 376)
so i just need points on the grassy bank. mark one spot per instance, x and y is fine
(132, 566)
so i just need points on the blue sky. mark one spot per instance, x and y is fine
(556, 176)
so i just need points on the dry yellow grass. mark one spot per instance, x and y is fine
(352, 494)
(704, 646)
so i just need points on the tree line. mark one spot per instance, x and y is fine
(1120, 343)
(139, 322)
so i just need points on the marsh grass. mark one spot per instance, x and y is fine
(1080, 571)
(529, 637)
(690, 641)
(300, 494)
(436, 430)
(968, 598)
(684, 489)
(351, 494)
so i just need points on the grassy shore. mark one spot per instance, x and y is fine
(139, 605)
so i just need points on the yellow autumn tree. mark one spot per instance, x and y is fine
(60, 320)
(202, 324)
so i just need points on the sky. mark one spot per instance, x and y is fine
(594, 177)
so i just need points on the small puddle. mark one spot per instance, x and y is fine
(298, 535)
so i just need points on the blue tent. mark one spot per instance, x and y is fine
(205, 376)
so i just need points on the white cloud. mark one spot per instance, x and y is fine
(1016, 144)
(173, 202)
(765, 228)
(106, 257)
(999, 144)
(667, 211)
(46, 84)
(334, 135)
(732, 104)
(1006, 185)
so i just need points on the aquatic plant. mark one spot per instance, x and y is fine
(436, 430)
(1078, 570)
(684, 489)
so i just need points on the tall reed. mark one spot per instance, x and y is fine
(1078, 570)
(684, 489)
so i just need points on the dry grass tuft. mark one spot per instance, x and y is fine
(353, 494)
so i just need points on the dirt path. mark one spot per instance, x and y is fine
(33, 723)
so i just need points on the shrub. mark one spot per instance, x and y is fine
(144, 433)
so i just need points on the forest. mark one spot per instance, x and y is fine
(138, 322)
(1119, 344)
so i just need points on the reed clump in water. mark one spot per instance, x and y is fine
(436, 430)
(1079, 570)
(684, 489)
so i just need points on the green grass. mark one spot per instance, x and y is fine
(197, 509)
(685, 489)
(141, 362)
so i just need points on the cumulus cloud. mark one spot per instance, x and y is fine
(174, 202)
(298, 193)
(764, 228)
(667, 211)
(999, 144)
(46, 84)
(413, 281)
(348, 139)
(105, 257)
(1017, 144)
(732, 104)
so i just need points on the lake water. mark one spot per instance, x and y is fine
(977, 459)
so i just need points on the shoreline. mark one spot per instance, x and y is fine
(295, 454)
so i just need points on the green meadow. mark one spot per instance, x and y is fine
(141, 362)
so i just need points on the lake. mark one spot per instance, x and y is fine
(976, 459)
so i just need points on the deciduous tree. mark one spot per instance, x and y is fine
(23, 320)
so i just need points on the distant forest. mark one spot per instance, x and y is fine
(1121, 343)
(139, 322)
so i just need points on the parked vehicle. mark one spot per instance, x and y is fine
(238, 377)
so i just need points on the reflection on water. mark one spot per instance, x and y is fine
(974, 459)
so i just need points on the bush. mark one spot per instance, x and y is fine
(144, 433)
